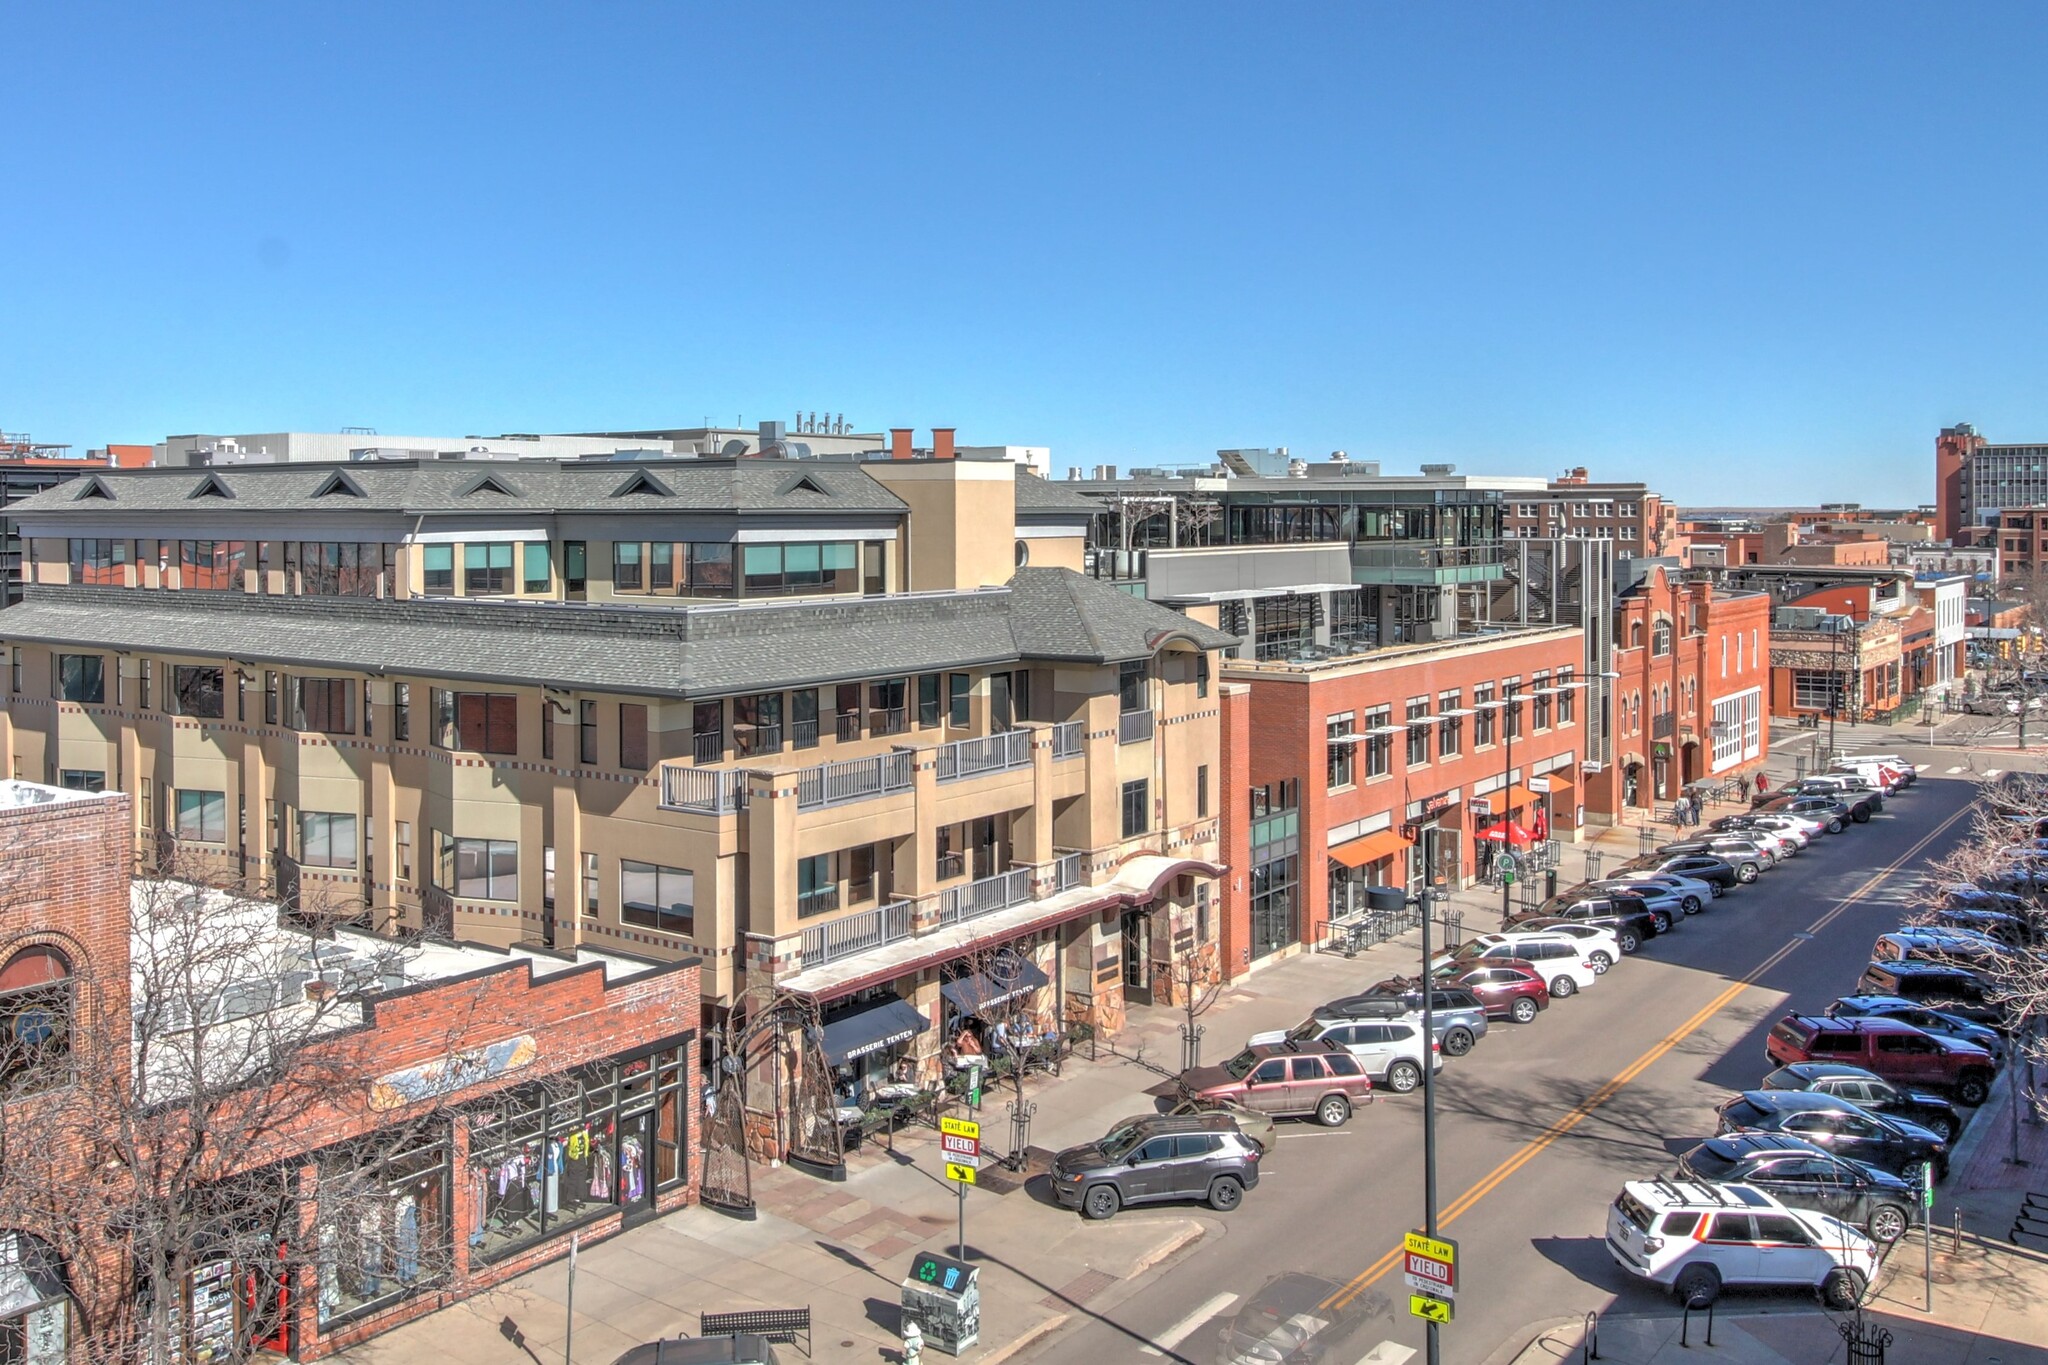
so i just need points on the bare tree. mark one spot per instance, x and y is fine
(195, 1137)
(1195, 982)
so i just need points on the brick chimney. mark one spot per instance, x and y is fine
(899, 443)
(942, 443)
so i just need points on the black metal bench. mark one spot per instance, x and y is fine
(777, 1324)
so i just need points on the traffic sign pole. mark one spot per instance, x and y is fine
(960, 1142)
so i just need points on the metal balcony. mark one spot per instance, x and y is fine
(1133, 727)
(959, 904)
(713, 791)
(853, 779)
(1067, 739)
(964, 758)
(856, 933)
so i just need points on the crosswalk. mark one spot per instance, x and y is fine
(1167, 1342)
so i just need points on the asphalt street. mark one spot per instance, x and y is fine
(1539, 1125)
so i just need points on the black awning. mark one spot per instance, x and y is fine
(870, 1030)
(1006, 980)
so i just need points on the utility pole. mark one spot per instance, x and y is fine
(1507, 806)
(1429, 896)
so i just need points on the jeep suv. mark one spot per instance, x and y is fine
(1322, 1078)
(1566, 964)
(1900, 1053)
(1633, 922)
(1805, 1177)
(1749, 858)
(1701, 866)
(1158, 1157)
(1697, 1238)
(1871, 1093)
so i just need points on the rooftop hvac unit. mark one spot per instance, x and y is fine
(1438, 471)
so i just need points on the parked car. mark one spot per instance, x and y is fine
(1749, 859)
(1633, 922)
(1566, 965)
(1694, 894)
(1459, 1019)
(1909, 773)
(1779, 843)
(1510, 988)
(1602, 944)
(1665, 902)
(1837, 1126)
(1718, 872)
(1293, 1319)
(1259, 1127)
(1950, 989)
(1924, 1017)
(1835, 815)
(1795, 831)
(1871, 1093)
(1860, 802)
(1898, 1052)
(1700, 1238)
(2014, 931)
(1295, 1080)
(1157, 1158)
(1804, 1177)
(1935, 943)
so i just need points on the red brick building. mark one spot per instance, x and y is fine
(1694, 663)
(478, 1104)
(2022, 542)
(1389, 768)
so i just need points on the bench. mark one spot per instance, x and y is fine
(777, 1324)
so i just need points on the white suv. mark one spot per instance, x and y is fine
(1698, 1238)
(1566, 964)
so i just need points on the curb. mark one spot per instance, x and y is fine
(1031, 1337)
(1508, 1352)
(1979, 1130)
(1186, 1237)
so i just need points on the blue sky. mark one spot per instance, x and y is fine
(1747, 253)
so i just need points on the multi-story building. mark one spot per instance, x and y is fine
(1404, 765)
(810, 438)
(2021, 543)
(1638, 521)
(426, 1120)
(28, 467)
(1692, 663)
(835, 728)
(1975, 480)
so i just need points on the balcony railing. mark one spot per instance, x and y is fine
(856, 933)
(1662, 725)
(715, 791)
(1067, 739)
(992, 753)
(984, 897)
(818, 902)
(848, 727)
(1133, 727)
(853, 779)
(803, 734)
(889, 720)
(1066, 872)
(707, 748)
(748, 740)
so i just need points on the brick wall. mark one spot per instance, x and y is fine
(1234, 834)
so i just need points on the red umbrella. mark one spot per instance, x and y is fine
(1507, 831)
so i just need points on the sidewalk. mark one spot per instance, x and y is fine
(1987, 1291)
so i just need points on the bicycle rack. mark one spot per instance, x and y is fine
(1685, 1325)
(2034, 1210)
(1589, 1338)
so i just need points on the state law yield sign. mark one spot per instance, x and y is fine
(1430, 1264)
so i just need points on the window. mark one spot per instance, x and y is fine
(480, 869)
(437, 570)
(1130, 686)
(626, 566)
(860, 874)
(1379, 749)
(82, 780)
(1202, 797)
(656, 897)
(1339, 745)
(661, 567)
(404, 842)
(817, 886)
(1660, 639)
(197, 691)
(1567, 698)
(633, 736)
(203, 817)
(1816, 689)
(886, 715)
(1450, 729)
(99, 561)
(777, 570)
(707, 732)
(327, 839)
(1511, 708)
(401, 710)
(803, 717)
(1418, 731)
(959, 686)
(1137, 807)
(575, 565)
(757, 724)
(1539, 702)
(81, 677)
(369, 711)
(590, 886)
(14, 669)
(325, 706)
(487, 570)
(1202, 675)
(535, 572)
(710, 569)
(586, 732)
(35, 1020)
(927, 698)
(479, 722)
(1485, 717)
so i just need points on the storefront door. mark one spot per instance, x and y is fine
(1137, 957)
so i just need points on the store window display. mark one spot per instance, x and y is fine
(383, 1220)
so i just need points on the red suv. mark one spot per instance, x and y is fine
(1898, 1052)
(1509, 988)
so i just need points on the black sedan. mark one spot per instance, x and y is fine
(1837, 1126)
(1871, 1093)
(1295, 1319)
(1882, 1204)
(1703, 867)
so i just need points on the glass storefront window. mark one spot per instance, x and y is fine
(383, 1222)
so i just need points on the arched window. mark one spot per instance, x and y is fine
(1660, 638)
(35, 1020)
(1635, 635)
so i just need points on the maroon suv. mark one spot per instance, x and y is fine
(1896, 1051)
(1509, 988)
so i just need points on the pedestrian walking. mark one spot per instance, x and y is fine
(1763, 784)
(1742, 786)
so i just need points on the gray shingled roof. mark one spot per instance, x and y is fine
(1037, 495)
(468, 486)
(668, 651)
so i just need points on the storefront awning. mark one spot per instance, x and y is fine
(981, 992)
(1369, 848)
(1512, 798)
(872, 1029)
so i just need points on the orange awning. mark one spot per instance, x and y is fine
(1369, 848)
(1517, 798)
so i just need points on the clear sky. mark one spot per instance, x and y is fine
(1752, 254)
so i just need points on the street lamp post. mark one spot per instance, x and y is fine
(1507, 789)
(1391, 898)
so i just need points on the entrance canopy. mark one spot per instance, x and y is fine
(1369, 848)
(1009, 977)
(1511, 799)
(872, 1029)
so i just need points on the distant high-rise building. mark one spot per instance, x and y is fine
(1975, 480)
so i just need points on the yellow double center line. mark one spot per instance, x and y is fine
(1579, 1112)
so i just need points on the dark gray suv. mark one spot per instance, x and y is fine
(1155, 1158)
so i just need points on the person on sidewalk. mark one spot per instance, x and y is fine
(1763, 784)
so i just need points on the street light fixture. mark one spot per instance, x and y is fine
(1390, 898)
